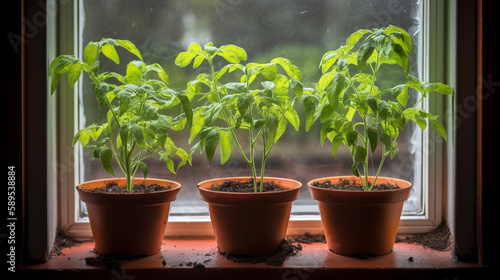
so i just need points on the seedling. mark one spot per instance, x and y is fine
(352, 107)
(137, 125)
(264, 109)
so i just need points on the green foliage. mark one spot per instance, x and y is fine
(136, 126)
(257, 100)
(354, 111)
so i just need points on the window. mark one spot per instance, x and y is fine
(301, 31)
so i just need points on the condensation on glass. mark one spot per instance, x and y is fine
(301, 31)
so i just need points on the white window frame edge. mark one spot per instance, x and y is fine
(433, 23)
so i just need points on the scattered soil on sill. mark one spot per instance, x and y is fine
(103, 261)
(286, 250)
(109, 261)
(138, 188)
(62, 241)
(195, 265)
(438, 239)
(352, 185)
(246, 187)
(308, 238)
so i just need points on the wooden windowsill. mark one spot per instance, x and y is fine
(185, 258)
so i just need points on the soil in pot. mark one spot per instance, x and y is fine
(138, 188)
(246, 187)
(352, 185)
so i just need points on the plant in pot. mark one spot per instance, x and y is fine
(249, 214)
(356, 111)
(127, 215)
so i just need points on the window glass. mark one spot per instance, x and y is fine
(299, 30)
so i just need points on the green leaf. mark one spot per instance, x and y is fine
(400, 57)
(328, 60)
(400, 37)
(232, 53)
(106, 156)
(400, 92)
(210, 138)
(361, 153)
(336, 142)
(292, 117)
(74, 73)
(144, 168)
(225, 145)
(372, 137)
(129, 46)
(184, 58)
(437, 87)
(59, 66)
(354, 38)
(269, 71)
(134, 71)
(415, 115)
(291, 70)
(271, 126)
(91, 53)
(372, 103)
(364, 53)
(326, 129)
(170, 164)
(212, 113)
(352, 138)
(439, 128)
(198, 122)
(354, 169)
(137, 134)
(383, 109)
(385, 139)
(186, 105)
(101, 89)
(244, 102)
(110, 52)
(308, 102)
(160, 71)
(336, 87)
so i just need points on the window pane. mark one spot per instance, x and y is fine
(301, 31)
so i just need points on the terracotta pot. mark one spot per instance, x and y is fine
(250, 224)
(360, 222)
(128, 224)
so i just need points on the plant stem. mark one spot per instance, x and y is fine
(384, 155)
(367, 147)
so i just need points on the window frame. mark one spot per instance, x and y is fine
(434, 168)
